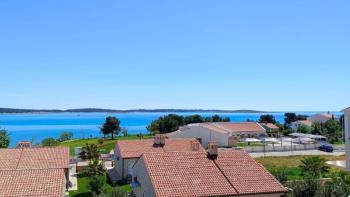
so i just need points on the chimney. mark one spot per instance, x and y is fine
(195, 145)
(212, 149)
(159, 140)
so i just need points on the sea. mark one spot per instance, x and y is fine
(37, 126)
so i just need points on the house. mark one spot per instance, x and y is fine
(216, 173)
(225, 133)
(34, 172)
(321, 118)
(126, 152)
(295, 125)
(271, 129)
(347, 135)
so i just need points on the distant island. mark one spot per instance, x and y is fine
(91, 110)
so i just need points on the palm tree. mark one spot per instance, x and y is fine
(314, 166)
(89, 152)
(111, 126)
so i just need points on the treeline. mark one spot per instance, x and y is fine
(172, 122)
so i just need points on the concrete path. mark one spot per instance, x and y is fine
(294, 153)
(73, 177)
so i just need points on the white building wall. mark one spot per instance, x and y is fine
(204, 134)
(146, 188)
(122, 165)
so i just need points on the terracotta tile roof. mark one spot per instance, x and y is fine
(185, 174)
(246, 175)
(269, 125)
(234, 172)
(34, 158)
(305, 122)
(135, 148)
(33, 183)
(232, 127)
(33, 172)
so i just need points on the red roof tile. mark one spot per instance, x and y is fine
(135, 148)
(269, 125)
(234, 172)
(245, 174)
(34, 172)
(185, 174)
(34, 158)
(233, 127)
(33, 183)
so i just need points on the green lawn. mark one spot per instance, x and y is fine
(245, 144)
(83, 188)
(106, 147)
(290, 164)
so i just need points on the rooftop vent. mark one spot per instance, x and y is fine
(195, 145)
(212, 149)
(159, 139)
(24, 144)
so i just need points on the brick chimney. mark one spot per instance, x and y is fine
(159, 140)
(195, 145)
(212, 149)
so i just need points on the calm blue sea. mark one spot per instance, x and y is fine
(85, 125)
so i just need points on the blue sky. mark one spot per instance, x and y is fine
(264, 55)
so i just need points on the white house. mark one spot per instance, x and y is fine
(126, 152)
(224, 133)
(216, 173)
(295, 125)
(347, 135)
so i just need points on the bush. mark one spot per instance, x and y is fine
(96, 184)
(65, 136)
(49, 142)
(4, 139)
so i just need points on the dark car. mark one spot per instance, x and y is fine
(326, 148)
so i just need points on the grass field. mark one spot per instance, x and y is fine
(83, 187)
(106, 147)
(290, 164)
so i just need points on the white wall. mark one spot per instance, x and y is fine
(146, 187)
(203, 133)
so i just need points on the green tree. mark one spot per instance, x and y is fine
(304, 129)
(117, 192)
(4, 139)
(49, 142)
(309, 187)
(65, 136)
(289, 118)
(333, 130)
(96, 183)
(94, 168)
(338, 187)
(267, 118)
(314, 166)
(111, 126)
(89, 152)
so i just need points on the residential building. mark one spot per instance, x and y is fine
(225, 133)
(295, 125)
(126, 152)
(321, 118)
(271, 129)
(216, 173)
(347, 135)
(34, 172)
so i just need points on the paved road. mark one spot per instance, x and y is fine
(302, 152)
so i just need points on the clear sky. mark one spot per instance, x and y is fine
(226, 54)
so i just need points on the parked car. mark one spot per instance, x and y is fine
(326, 148)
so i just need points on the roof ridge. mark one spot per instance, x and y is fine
(19, 159)
(227, 179)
